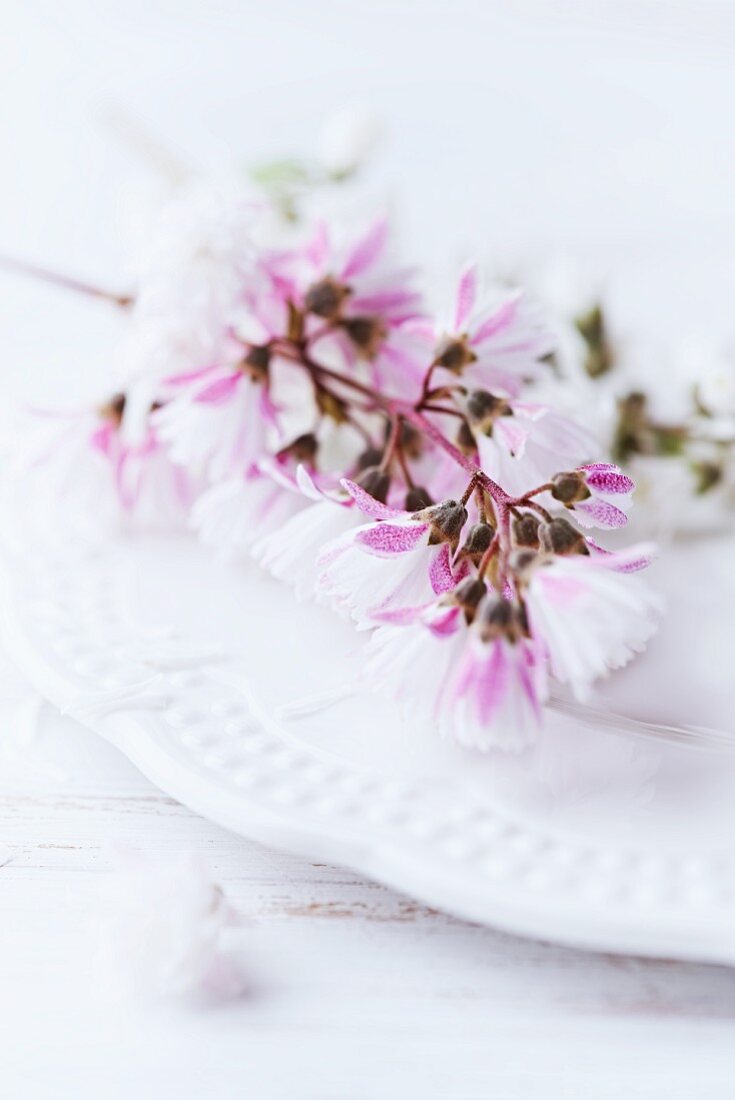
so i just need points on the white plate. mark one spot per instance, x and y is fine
(242, 703)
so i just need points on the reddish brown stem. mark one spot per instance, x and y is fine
(67, 282)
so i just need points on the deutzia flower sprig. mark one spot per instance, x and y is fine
(297, 404)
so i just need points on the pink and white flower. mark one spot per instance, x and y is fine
(358, 306)
(232, 515)
(483, 685)
(591, 615)
(290, 553)
(497, 347)
(418, 546)
(218, 421)
(95, 463)
(521, 444)
(609, 495)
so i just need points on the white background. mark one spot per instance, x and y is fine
(514, 130)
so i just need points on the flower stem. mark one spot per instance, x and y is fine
(22, 267)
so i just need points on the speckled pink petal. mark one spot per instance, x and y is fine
(631, 560)
(600, 513)
(440, 571)
(368, 505)
(607, 480)
(388, 539)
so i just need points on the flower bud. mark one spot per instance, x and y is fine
(445, 520)
(303, 448)
(326, 298)
(501, 618)
(569, 488)
(484, 408)
(371, 456)
(454, 354)
(366, 333)
(478, 540)
(525, 530)
(256, 362)
(522, 563)
(417, 498)
(465, 440)
(468, 595)
(558, 536)
(113, 409)
(376, 482)
(707, 475)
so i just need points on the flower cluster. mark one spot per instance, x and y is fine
(311, 414)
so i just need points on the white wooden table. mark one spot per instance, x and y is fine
(357, 991)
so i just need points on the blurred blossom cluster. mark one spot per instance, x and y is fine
(433, 473)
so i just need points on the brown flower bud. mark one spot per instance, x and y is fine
(525, 530)
(501, 618)
(523, 562)
(376, 482)
(445, 520)
(558, 536)
(569, 487)
(326, 298)
(417, 498)
(371, 456)
(465, 440)
(468, 595)
(366, 333)
(454, 354)
(484, 408)
(256, 362)
(113, 409)
(303, 448)
(478, 540)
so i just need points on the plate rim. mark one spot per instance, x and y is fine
(540, 880)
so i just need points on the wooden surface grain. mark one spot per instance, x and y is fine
(356, 991)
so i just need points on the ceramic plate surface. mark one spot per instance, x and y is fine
(245, 705)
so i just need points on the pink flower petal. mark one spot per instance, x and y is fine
(492, 683)
(219, 391)
(600, 513)
(368, 505)
(440, 571)
(445, 623)
(388, 539)
(399, 616)
(102, 439)
(387, 301)
(466, 294)
(366, 251)
(511, 436)
(502, 318)
(609, 480)
(317, 250)
(189, 376)
(632, 560)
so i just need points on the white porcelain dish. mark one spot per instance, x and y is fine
(244, 705)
